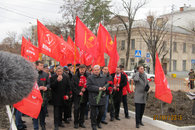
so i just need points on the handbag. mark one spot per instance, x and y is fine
(147, 87)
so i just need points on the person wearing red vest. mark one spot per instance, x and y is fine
(124, 97)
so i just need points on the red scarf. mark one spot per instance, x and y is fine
(117, 80)
(83, 81)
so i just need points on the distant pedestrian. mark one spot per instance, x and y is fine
(191, 78)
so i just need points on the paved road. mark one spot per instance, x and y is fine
(124, 124)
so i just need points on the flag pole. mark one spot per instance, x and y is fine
(40, 56)
(55, 64)
(74, 58)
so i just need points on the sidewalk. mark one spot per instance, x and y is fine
(123, 124)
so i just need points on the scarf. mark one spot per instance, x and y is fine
(142, 76)
(117, 80)
(83, 81)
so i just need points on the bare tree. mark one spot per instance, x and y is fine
(153, 31)
(131, 13)
(70, 9)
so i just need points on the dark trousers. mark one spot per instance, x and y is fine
(192, 84)
(117, 103)
(79, 113)
(66, 110)
(58, 115)
(124, 100)
(111, 106)
(69, 115)
(139, 111)
(96, 114)
(42, 116)
(18, 116)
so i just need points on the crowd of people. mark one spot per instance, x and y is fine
(74, 91)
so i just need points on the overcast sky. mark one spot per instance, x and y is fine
(19, 14)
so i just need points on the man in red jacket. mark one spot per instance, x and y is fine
(124, 97)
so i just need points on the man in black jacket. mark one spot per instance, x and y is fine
(95, 84)
(80, 96)
(44, 84)
(119, 80)
(60, 86)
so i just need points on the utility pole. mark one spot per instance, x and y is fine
(171, 40)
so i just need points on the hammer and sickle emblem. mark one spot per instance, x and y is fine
(90, 42)
(109, 44)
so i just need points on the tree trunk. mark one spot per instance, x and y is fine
(128, 49)
(153, 62)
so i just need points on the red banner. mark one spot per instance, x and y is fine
(114, 58)
(85, 39)
(29, 51)
(48, 44)
(31, 105)
(162, 90)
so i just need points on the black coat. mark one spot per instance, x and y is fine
(43, 80)
(76, 89)
(117, 95)
(93, 84)
(59, 89)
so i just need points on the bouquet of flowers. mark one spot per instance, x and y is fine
(100, 92)
(82, 84)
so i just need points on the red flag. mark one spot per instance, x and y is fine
(86, 58)
(114, 58)
(29, 51)
(66, 52)
(100, 53)
(105, 39)
(162, 90)
(76, 51)
(31, 105)
(85, 39)
(47, 42)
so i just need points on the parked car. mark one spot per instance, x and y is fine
(150, 76)
(129, 74)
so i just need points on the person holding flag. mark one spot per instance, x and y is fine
(44, 84)
(141, 83)
(80, 96)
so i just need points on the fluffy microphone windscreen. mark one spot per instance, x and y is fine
(17, 78)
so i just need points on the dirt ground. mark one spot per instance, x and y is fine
(181, 106)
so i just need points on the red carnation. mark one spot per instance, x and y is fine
(65, 97)
(43, 79)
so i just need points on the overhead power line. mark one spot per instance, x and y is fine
(9, 10)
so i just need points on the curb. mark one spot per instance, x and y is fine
(161, 124)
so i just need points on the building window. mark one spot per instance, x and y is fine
(184, 65)
(174, 65)
(122, 60)
(132, 44)
(184, 47)
(123, 45)
(132, 60)
(174, 46)
(193, 48)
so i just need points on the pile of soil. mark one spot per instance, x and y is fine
(4, 122)
(181, 106)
